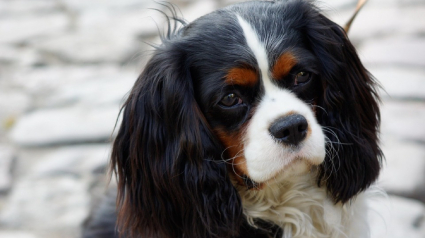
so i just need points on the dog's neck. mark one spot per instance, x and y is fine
(302, 209)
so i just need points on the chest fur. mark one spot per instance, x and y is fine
(304, 210)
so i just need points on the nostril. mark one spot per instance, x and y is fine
(302, 127)
(291, 129)
(286, 133)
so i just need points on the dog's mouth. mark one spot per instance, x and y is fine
(285, 173)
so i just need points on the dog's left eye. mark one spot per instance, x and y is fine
(302, 77)
(230, 100)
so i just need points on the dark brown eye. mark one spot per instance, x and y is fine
(302, 77)
(230, 100)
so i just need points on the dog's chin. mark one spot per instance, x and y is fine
(297, 168)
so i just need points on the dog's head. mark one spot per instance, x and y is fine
(256, 93)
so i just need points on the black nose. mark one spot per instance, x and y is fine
(290, 129)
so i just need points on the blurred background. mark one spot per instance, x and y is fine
(66, 66)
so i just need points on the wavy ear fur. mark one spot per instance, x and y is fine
(169, 181)
(350, 115)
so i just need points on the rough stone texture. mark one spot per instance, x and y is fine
(28, 27)
(396, 217)
(6, 160)
(400, 83)
(383, 21)
(47, 202)
(17, 234)
(65, 125)
(199, 8)
(13, 104)
(102, 90)
(404, 168)
(403, 120)
(80, 159)
(58, 181)
(84, 47)
(66, 67)
(42, 81)
(25, 7)
(394, 51)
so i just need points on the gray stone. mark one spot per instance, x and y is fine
(6, 159)
(52, 188)
(396, 217)
(403, 171)
(22, 29)
(65, 125)
(13, 103)
(199, 8)
(396, 3)
(78, 160)
(102, 35)
(45, 80)
(87, 46)
(336, 5)
(80, 6)
(16, 234)
(128, 23)
(66, 86)
(403, 120)
(19, 8)
(400, 82)
(378, 20)
(46, 203)
(95, 91)
(8, 55)
(19, 56)
(394, 51)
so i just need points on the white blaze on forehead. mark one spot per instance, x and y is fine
(258, 49)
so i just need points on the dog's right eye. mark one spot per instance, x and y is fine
(230, 100)
(302, 77)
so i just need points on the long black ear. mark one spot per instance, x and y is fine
(170, 181)
(349, 111)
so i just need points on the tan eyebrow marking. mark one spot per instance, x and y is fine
(242, 76)
(283, 65)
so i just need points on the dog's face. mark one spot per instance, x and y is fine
(258, 92)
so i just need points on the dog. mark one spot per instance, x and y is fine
(256, 120)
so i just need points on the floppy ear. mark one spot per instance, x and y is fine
(170, 180)
(349, 112)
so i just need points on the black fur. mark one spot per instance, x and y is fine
(350, 113)
(170, 183)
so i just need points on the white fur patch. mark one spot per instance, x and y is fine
(267, 159)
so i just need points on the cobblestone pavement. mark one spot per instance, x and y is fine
(66, 66)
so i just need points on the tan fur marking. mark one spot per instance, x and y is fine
(242, 76)
(283, 66)
(234, 151)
